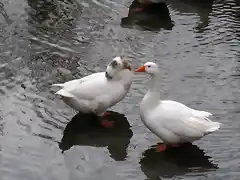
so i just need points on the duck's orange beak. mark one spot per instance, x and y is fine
(141, 69)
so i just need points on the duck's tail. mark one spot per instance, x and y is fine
(64, 93)
(213, 126)
(203, 114)
(210, 126)
(58, 85)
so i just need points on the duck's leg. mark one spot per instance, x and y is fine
(161, 147)
(106, 123)
(106, 114)
(103, 114)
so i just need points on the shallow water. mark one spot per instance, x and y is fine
(44, 42)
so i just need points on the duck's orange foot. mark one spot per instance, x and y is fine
(106, 114)
(161, 147)
(107, 124)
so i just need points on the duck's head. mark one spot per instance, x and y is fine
(118, 64)
(149, 67)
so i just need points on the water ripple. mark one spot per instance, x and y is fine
(45, 42)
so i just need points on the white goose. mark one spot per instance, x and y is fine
(99, 91)
(172, 121)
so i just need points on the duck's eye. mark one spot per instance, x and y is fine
(114, 64)
(148, 66)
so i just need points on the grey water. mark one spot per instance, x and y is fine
(197, 46)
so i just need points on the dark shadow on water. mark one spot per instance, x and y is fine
(203, 8)
(152, 17)
(175, 162)
(86, 130)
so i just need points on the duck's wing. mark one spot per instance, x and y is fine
(184, 121)
(70, 86)
(75, 82)
(95, 87)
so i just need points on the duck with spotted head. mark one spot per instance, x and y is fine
(97, 92)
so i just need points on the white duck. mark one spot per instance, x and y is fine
(99, 91)
(172, 121)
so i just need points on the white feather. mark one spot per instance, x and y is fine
(95, 93)
(172, 121)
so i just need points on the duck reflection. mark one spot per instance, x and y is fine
(150, 16)
(176, 161)
(203, 8)
(86, 130)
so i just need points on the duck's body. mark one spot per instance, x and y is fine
(99, 91)
(176, 123)
(173, 122)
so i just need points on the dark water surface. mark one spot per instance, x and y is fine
(197, 47)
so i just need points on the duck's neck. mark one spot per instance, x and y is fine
(152, 97)
(124, 77)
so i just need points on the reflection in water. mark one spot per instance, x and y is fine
(151, 17)
(202, 7)
(28, 108)
(175, 161)
(86, 130)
